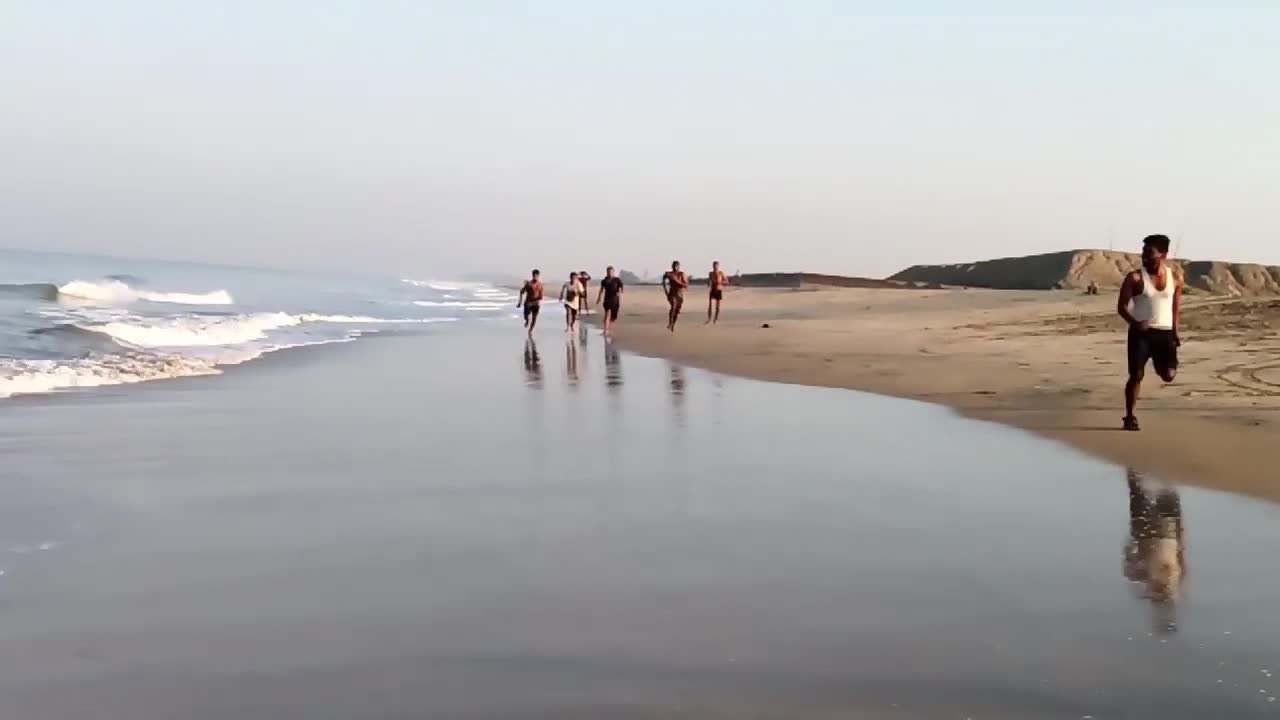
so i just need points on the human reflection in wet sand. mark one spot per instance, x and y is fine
(612, 366)
(532, 364)
(571, 362)
(1153, 555)
(676, 385)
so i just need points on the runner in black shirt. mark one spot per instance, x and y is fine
(611, 292)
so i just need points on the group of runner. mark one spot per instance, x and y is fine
(574, 296)
(1150, 302)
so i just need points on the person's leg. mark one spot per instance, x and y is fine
(711, 299)
(568, 318)
(675, 310)
(671, 312)
(1139, 353)
(1131, 390)
(533, 318)
(716, 319)
(1164, 357)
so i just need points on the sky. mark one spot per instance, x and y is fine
(483, 135)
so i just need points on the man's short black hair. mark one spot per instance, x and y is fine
(1159, 242)
(537, 272)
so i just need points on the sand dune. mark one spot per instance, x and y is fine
(1076, 269)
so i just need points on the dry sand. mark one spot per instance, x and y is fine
(1052, 362)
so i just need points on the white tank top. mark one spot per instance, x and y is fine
(1155, 307)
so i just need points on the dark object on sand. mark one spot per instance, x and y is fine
(1092, 289)
(765, 326)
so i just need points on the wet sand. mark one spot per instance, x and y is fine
(466, 526)
(1050, 362)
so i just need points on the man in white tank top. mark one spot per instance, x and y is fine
(1151, 302)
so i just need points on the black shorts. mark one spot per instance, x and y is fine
(611, 309)
(717, 294)
(1158, 346)
(676, 300)
(531, 311)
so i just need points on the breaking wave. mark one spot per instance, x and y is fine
(115, 291)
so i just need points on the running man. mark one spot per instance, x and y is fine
(674, 283)
(1151, 302)
(583, 301)
(717, 280)
(611, 293)
(570, 293)
(531, 299)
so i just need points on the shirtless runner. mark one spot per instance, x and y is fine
(531, 299)
(717, 280)
(1151, 302)
(674, 283)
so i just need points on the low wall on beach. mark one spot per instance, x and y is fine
(1078, 269)
(804, 279)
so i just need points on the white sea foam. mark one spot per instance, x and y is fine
(450, 286)
(469, 304)
(209, 331)
(26, 377)
(440, 285)
(33, 377)
(366, 320)
(196, 331)
(117, 292)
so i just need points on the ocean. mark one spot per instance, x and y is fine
(71, 321)
(444, 520)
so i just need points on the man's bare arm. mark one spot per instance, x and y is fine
(1177, 310)
(1126, 298)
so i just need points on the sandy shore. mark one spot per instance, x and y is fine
(1049, 362)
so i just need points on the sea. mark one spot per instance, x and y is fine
(251, 494)
(70, 321)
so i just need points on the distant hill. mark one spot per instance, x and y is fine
(1076, 269)
(801, 279)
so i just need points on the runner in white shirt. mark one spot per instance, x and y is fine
(1151, 302)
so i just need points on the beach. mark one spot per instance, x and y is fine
(459, 524)
(1052, 362)
(261, 494)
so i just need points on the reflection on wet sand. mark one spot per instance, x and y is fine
(677, 380)
(1154, 555)
(612, 366)
(532, 364)
(676, 386)
(571, 363)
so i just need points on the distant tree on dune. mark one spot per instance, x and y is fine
(629, 278)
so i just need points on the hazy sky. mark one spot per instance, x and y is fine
(419, 137)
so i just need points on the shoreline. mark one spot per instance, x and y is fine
(1048, 362)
